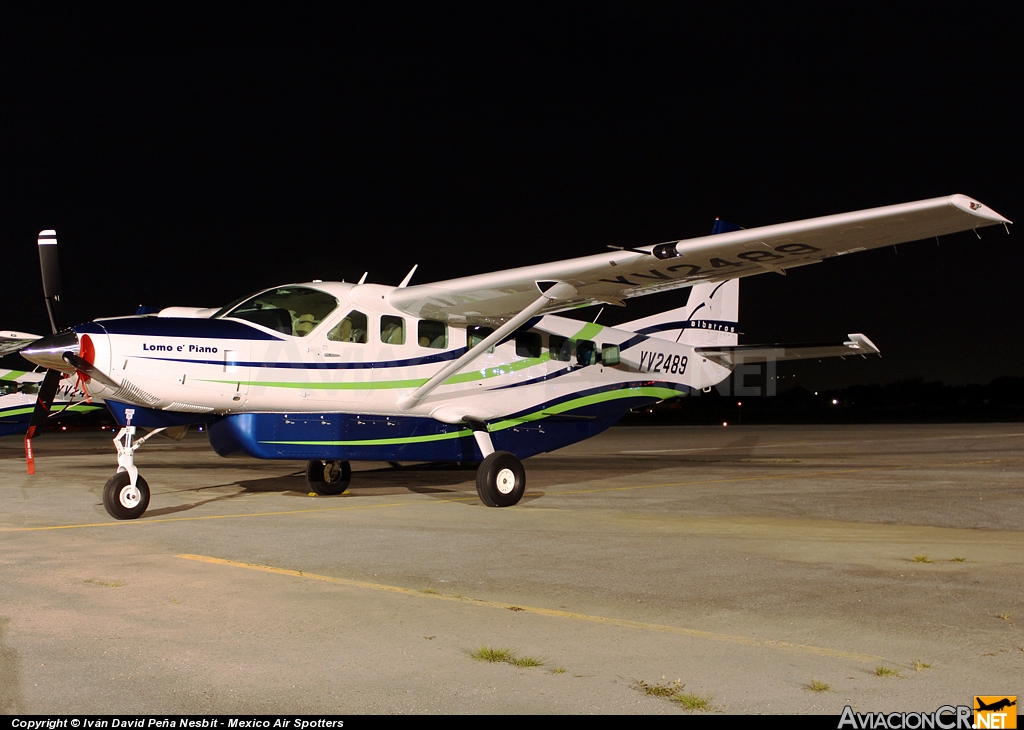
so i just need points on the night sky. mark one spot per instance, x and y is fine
(187, 158)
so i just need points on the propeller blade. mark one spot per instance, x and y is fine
(49, 263)
(44, 401)
(87, 368)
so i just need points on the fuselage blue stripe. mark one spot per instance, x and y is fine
(540, 379)
(175, 327)
(379, 365)
(720, 325)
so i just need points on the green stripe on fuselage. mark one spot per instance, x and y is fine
(76, 408)
(583, 402)
(492, 372)
(589, 331)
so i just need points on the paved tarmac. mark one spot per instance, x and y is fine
(744, 562)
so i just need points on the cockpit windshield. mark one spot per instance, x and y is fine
(290, 310)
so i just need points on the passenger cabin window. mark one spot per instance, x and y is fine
(291, 310)
(392, 330)
(586, 352)
(432, 334)
(351, 329)
(528, 344)
(560, 348)
(475, 334)
(610, 355)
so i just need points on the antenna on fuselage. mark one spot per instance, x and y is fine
(408, 277)
(362, 279)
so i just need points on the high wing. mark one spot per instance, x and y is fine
(619, 275)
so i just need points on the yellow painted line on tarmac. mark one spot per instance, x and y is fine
(150, 521)
(553, 613)
(628, 488)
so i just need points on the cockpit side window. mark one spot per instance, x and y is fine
(351, 329)
(290, 310)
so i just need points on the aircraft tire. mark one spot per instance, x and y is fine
(501, 480)
(123, 503)
(328, 478)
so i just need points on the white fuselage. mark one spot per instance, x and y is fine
(185, 371)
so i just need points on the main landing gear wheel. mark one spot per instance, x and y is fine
(328, 478)
(121, 500)
(501, 480)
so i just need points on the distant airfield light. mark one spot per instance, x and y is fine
(835, 402)
(63, 428)
(725, 423)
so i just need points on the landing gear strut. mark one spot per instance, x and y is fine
(126, 494)
(328, 478)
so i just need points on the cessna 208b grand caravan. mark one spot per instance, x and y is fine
(476, 369)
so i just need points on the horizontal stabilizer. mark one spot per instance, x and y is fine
(738, 354)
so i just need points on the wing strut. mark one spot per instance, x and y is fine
(551, 291)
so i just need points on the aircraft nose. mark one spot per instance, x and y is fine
(49, 351)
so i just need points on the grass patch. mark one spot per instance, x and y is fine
(515, 608)
(1003, 616)
(505, 655)
(958, 559)
(429, 591)
(674, 691)
(107, 583)
(488, 654)
(659, 690)
(922, 559)
(919, 665)
(884, 671)
(525, 661)
(558, 670)
(692, 701)
(816, 685)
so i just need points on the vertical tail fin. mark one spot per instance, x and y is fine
(709, 318)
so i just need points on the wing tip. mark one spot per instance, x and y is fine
(978, 210)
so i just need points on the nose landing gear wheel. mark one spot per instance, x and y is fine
(328, 478)
(501, 480)
(121, 500)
